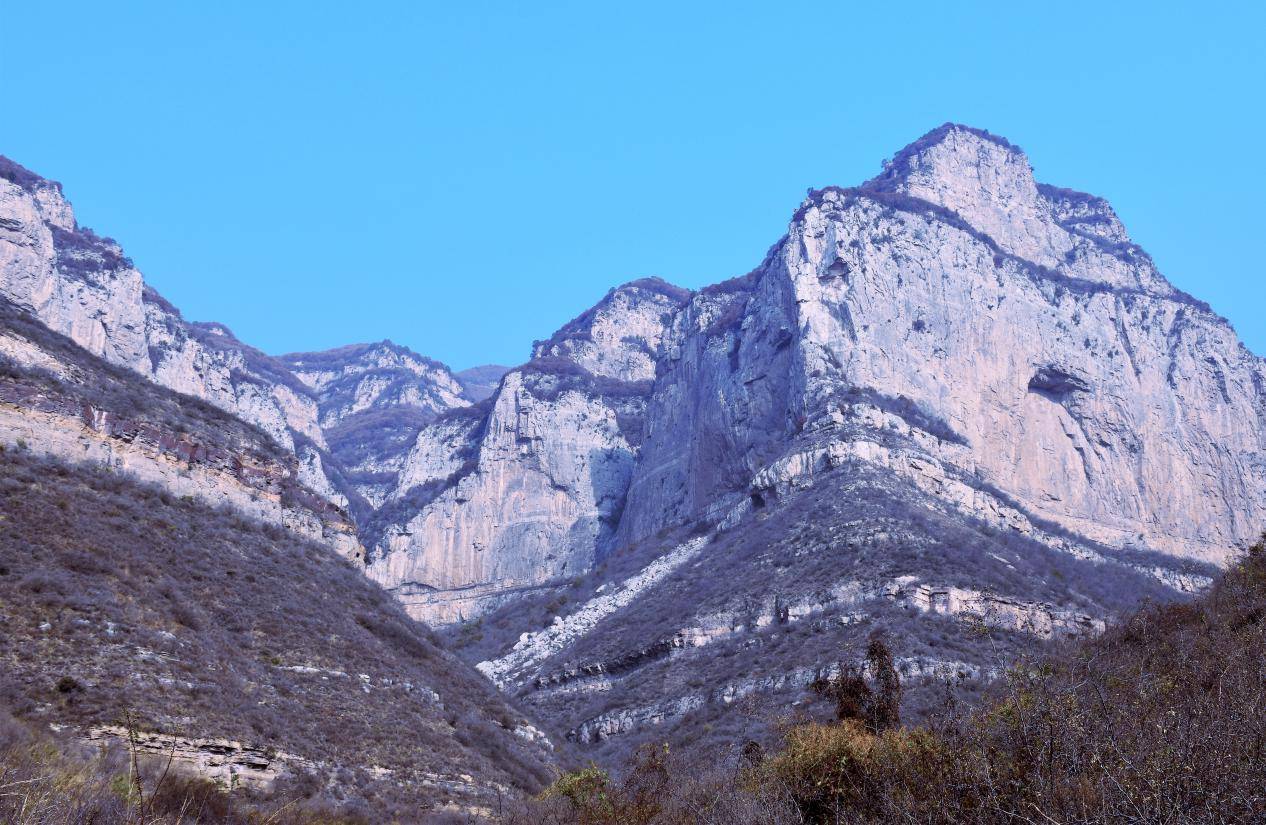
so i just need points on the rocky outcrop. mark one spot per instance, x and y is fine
(227, 762)
(81, 285)
(941, 378)
(527, 489)
(620, 336)
(373, 399)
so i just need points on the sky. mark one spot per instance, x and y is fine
(463, 178)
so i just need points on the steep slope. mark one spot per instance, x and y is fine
(251, 655)
(1065, 370)
(57, 399)
(81, 285)
(1157, 720)
(524, 490)
(951, 392)
(372, 401)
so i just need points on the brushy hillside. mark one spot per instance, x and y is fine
(47, 780)
(1161, 719)
(117, 597)
(856, 525)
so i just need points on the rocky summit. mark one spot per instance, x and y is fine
(952, 404)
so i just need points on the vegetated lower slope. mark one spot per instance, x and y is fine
(699, 655)
(59, 399)
(117, 596)
(51, 779)
(1158, 720)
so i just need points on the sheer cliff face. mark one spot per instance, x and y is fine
(527, 489)
(1081, 381)
(80, 285)
(949, 395)
(1065, 370)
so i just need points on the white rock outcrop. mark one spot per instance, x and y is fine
(527, 491)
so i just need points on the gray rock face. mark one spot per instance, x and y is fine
(82, 286)
(528, 489)
(934, 386)
(372, 400)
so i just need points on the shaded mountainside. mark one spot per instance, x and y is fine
(208, 626)
(373, 399)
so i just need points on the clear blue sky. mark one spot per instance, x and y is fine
(464, 177)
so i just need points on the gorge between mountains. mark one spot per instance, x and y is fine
(948, 398)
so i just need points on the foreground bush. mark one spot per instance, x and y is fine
(1161, 719)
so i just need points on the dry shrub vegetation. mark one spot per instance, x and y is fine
(55, 782)
(118, 597)
(1160, 720)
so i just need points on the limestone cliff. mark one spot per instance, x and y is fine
(1014, 321)
(81, 285)
(526, 489)
(936, 390)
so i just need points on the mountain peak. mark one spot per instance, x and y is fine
(618, 336)
(983, 179)
(945, 149)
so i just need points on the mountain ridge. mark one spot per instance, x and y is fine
(949, 349)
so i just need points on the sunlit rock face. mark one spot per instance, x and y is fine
(949, 398)
(527, 489)
(1016, 316)
(81, 285)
